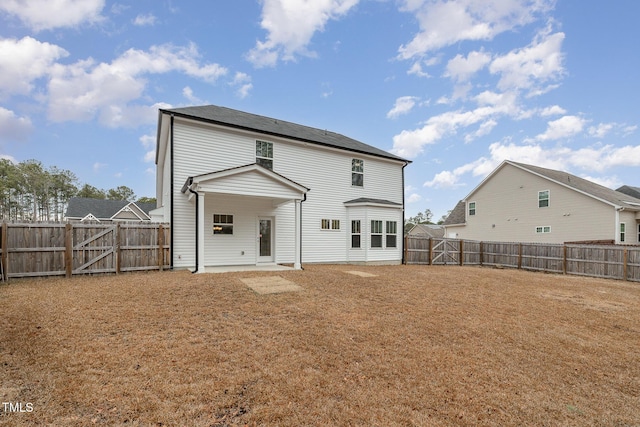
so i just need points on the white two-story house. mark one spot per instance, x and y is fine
(243, 189)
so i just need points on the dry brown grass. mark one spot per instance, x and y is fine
(415, 345)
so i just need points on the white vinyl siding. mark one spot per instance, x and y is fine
(202, 149)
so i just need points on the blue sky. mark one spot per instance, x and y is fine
(454, 86)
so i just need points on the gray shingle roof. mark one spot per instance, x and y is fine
(596, 190)
(629, 190)
(79, 207)
(457, 215)
(270, 126)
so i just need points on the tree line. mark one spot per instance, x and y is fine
(31, 192)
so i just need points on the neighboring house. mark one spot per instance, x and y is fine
(243, 189)
(427, 230)
(524, 203)
(630, 191)
(101, 210)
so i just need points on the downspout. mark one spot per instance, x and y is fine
(402, 239)
(301, 201)
(197, 213)
(171, 196)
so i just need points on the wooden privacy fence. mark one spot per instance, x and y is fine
(57, 249)
(607, 261)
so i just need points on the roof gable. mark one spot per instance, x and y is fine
(80, 207)
(270, 126)
(573, 182)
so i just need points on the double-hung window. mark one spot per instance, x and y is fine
(543, 199)
(222, 224)
(264, 154)
(472, 208)
(623, 231)
(357, 172)
(392, 233)
(356, 232)
(376, 233)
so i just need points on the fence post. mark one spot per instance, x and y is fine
(519, 256)
(405, 250)
(5, 252)
(481, 253)
(161, 247)
(624, 265)
(461, 252)
(564, 259)
(68, 250)
(430, 250)
(117, 247)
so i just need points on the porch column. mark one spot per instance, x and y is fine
(297, 261)
(200, 226)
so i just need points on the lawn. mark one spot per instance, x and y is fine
(414, 345)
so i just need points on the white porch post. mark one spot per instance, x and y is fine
(297, 261)
(200, 226)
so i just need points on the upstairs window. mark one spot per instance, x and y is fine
(264, 154)
(357, 172)
(623, 231)
(472, 208)
(543, 199)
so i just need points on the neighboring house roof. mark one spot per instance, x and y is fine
(101, 209)
(457, 215)
(252, 122)
(629, 190)
(431, 230)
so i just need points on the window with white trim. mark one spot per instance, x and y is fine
(222, 224)
(543, 199)
(357, 172)
(392, 234)
(638, 233)
(623, 231)
(330, 224)
(543, 229)
(376, 233)
(264, 154)
(356, 233)
(472, 208)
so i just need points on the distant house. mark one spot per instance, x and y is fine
(525, 203)
(244, 189)
(82, 209)
(629, 190)
(427, 230)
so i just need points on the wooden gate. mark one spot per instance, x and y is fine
(446, 251)
(95, 250)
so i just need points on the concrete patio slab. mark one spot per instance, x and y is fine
(270, 285)
(361, 273)
(236, 268)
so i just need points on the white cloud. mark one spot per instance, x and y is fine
(97, 166)
(527, 68)
(187, 92)
(461, 69)
(12, 127)
(242, 82)
(290, 25)
(554, 110)
(49, 14)
(145, 20)
(403, 105)
(444, 23)
(86, 89)
(413, 198)
(23, 61)
(597, 158)
(564, 127)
